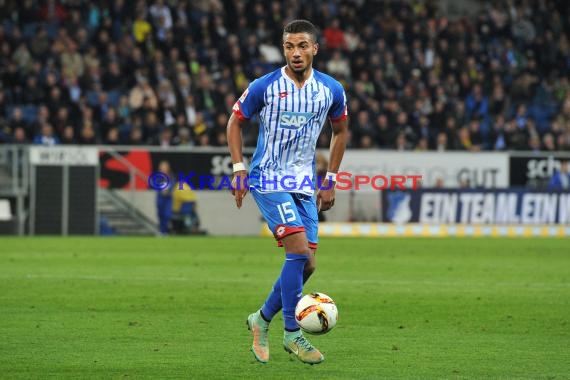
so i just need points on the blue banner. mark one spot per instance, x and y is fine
(476, 206)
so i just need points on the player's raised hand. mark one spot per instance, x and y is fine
(239, 186)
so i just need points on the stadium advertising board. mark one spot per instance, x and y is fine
(489, 170)
(63, 155)
(454, 206)
(115, 172)
(534, 170)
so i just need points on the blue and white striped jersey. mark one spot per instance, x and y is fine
(291, 120)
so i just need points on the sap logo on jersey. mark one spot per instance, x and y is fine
(294, 120)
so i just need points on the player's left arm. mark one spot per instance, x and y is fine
(338, 115)
(326, 195)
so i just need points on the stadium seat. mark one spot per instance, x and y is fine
(29, 30)
(92, 98)
(113, 98)
(30, 113)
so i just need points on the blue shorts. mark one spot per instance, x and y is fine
(288, 213)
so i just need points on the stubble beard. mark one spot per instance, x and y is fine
(300, 71)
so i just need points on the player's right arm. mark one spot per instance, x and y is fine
(235, 143)
(249, 103)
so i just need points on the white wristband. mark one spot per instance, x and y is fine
(331, 176)
(239, 166)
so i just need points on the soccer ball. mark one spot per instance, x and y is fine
(316, 313)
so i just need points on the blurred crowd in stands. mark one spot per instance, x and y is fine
(168, 72)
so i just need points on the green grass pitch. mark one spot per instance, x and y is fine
(169, 308)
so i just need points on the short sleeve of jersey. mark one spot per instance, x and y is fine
(338, 110)
(251, 101)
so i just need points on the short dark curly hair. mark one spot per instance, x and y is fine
(301, 26)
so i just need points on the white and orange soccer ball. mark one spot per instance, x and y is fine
(316, 313)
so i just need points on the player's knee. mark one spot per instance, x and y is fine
(297, 247)
(299, 251)
(310, 268)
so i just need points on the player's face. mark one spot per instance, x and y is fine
(299, 50)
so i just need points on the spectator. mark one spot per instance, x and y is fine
(172, 57)
(334, 36)
(498, 141)
(71, 60)
(423, 145)
(465, 142)
(17, 120)
(384, 136)
(165, 138)
(475, 135)
(112, 137)
(534, 143)
(142, 94)
(141, 28)
(548, 143)
(20, 136)
(46, 136)
(338, 66)
(68, 135)
(402, 143)
(87, 134)
(476, 103)
(135, 136)
(184, 137)
(441, 142)
(152, 127)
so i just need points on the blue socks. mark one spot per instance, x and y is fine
(287, 291)
(273, 302)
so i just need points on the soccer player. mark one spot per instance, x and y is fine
(293, 104)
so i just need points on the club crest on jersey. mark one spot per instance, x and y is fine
(294, 120)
